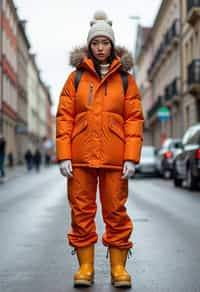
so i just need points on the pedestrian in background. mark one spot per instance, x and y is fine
(10, 160)
(28, 159)
(37, 159)
(99, 138)
(47, 147)
(47, 159)
(2, 155)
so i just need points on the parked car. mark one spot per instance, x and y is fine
(187, 162)
(147, 163)
(166, 155)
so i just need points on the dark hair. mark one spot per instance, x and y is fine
(96, 62)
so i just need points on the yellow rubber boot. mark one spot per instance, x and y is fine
(85, 275)
(119, 275)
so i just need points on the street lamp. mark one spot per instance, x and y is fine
(137, 19)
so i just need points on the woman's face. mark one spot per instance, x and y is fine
(101, 49)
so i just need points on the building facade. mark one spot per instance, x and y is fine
(190, 18)
(42, 111)
(174, 72)
(33, 96)
(164, 72)
(49, 114)
(22, 86)
(8, 74)
(143, 57)
(25, 101)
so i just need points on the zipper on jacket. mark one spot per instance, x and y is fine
(105, 88)
(90, 94)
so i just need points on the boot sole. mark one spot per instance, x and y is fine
(83, 283)
(118, 284)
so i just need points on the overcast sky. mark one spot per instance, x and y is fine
(55, 27)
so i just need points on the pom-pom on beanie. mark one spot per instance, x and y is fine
(101, 26)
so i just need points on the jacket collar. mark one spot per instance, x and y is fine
(88, 65)
(79, 58)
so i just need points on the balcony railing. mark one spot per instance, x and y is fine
(194, 76)
(171, 37)
(172, 33)
(175, 30)
(155, 107)
(172, 90)
(193, 11)
(156, 59)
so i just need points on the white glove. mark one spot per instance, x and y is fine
(66, 168)
(128, 169)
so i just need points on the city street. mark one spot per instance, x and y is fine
(34, 254)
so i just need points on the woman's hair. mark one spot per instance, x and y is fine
(96, 62)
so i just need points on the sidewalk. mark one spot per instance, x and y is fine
(14, 172)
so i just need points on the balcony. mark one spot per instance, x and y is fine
(171, 38)
(21, 128)
(175, 32)
(193, 11)
(172, 91)
(154, 109)
(156, 61)
(172, 35)
(194, 77)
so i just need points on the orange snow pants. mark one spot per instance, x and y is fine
(82, 198)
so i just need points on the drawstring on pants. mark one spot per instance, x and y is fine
(107, 253)
(73, 252)
(130, 253)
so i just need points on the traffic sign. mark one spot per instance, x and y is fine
(163, 113)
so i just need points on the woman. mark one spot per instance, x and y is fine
(99, 137)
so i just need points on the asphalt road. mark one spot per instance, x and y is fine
(35, 256)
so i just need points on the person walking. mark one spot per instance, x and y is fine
(37, 159)
(99, 125)
(28, 159)
(2, 155)
(10, 160)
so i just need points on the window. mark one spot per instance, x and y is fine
(148, 151)
(192, 132)
(195, 138)
(191, 48)
(167, 143)
(196, 44)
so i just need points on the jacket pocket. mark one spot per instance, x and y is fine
(79, 127)
(117, 128)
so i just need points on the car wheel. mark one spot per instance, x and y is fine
(191, 180)
(177, 181)
(167, 174)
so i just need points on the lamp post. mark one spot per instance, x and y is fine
(137, 19)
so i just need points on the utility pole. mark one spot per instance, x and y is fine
(137, 19)
(1, 64)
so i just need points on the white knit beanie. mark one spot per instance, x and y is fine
(101, 26)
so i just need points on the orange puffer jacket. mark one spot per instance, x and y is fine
(97, 126)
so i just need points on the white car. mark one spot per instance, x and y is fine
(148, 161)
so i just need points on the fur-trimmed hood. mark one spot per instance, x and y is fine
(77, 55)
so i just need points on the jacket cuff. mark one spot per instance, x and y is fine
(133, 150)
(64, 152)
